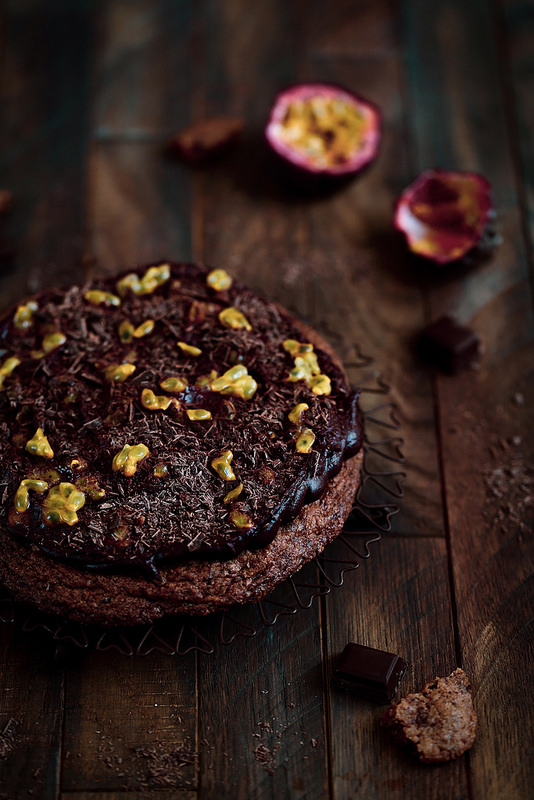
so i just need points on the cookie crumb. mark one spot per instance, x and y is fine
(440, 722)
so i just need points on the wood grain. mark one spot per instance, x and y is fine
(138, 211)
(43, 143)
(262, 713)
(516, 49)
(274, 679)
(494, 606)
(117, 709)
(43, 140)
(155, 795)
(31, 714)
(399, 602)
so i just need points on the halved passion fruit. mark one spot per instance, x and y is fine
(322, 129)
(445, 215)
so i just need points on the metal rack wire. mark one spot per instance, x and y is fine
(375, 504)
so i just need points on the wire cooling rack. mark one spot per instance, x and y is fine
(375, 504)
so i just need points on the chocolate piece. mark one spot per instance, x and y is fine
(452, 346)
(373, 674)
(206, 139)
(440, 722)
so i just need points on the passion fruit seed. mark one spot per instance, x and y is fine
(235, 381)
(173, 384)
(39, 445)
(267, 475)
(98, 298)
(190, 349)
(221, 465)
(89, 485)
(61, 504)
(121, 533)
(204, 380)
(198, 414)
(308, 361)
(126, 331)
(320, 384)
(7, 368)
(126, 461)
(307, 367)
(78, 464)
(53, 340)
(23, 317)
(219, 280)
(22, 497)
(50, 342)
(302, 371)
(144, 329)
(296, 413)
(161, 470)
(305, 440)
(295, 348)
(232, 318)
(233, 493)
(241, 520)
(151, 280)
(117, 373)
(157, 402)
(328, 130)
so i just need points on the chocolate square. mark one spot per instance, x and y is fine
(370, 673)
(449, 345)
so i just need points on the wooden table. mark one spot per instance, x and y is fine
(90, 93)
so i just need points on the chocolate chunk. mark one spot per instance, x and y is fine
(370, 673)
(204, 140)
(439, 722)
(451, 346)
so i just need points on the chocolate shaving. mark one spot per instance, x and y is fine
(86, 417)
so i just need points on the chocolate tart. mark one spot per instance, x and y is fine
(170, 443)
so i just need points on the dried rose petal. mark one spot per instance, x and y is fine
(443, 214)
(322, 129)
(205, 139)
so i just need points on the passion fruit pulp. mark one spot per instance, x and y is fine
(322, 129)
(445, 215)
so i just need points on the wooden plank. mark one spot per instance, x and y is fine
(263, 710)
(139, 201)
(139, 207)
(155, 795)
(517, 20)
(360, 273)
(43, 137)
(492, 555)
(399, 602)
(43, 142)
(486, 472)
(126, 719)
(31, 713)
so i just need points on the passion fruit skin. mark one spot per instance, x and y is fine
(447, 216)
(329, 166)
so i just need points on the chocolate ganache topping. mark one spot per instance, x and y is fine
(160, 415)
